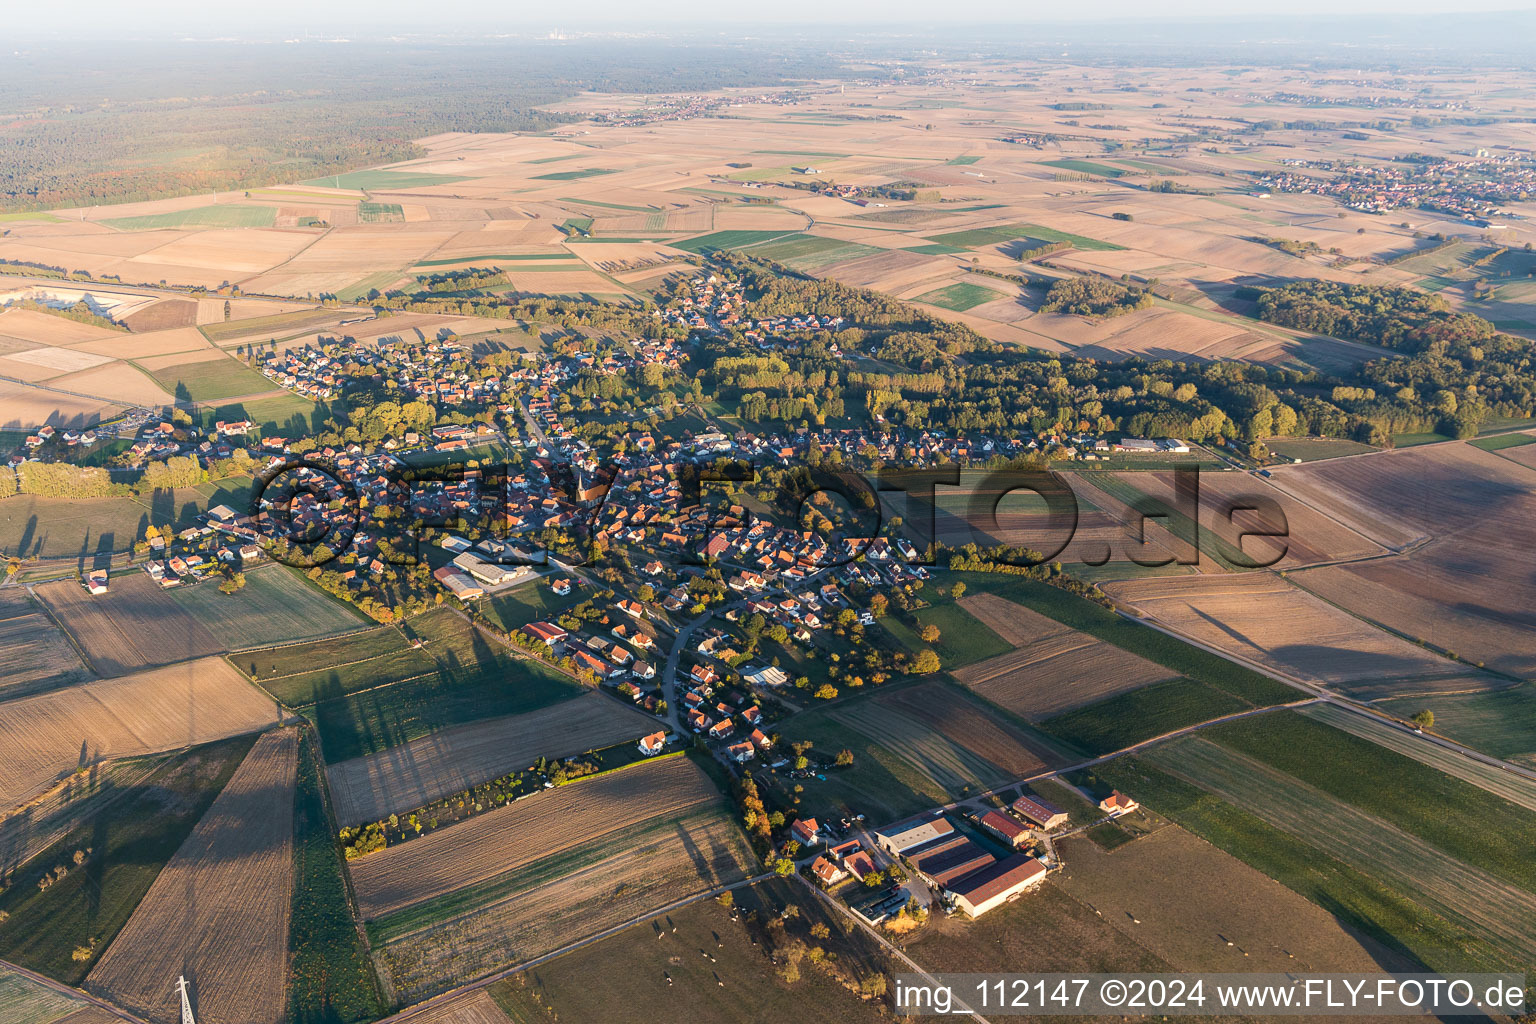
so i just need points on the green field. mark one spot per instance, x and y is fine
(960, 296)
(809, 252)
(587, 172)
(1358, 899)
(380, 213)
(1416, 439)
(1501, 441)
(277, 323)
(273, 415)
(200, 217)
(963, 161)
(24, 1001)
(7, 218)
(330, 978)
(472, 678)
(1310, 449)
(211, 380)
(359, 289)
(880, 783)
(1212, 544)
(1129, 718)
(977, 238)
(1087, 167)
(934, 249)
(736, 239)
(963, 638)
(609, 206)
(130, 841)
(1497, 722)
(528, 602)
(31, 526)
(275, 604)
(384, 180)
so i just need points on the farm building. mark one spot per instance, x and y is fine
(996, 884)
(897, 839)
(1041, 814)
(461, 584)
(96, 582)
(1014, 834)
(942, 864)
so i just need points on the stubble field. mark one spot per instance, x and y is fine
(221, 904)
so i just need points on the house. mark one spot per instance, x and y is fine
(702, 675)
(1035, 810)
(653, 744)
(826, 872)
(804, 831)
(1011, 832)
(642, 670)
(632, 608)
(760, 741)
(96, 581)
(547, 632)
(560, 587)
(996, 884)
(1117, 803)
(720, 730)
(741, 752)
(752, 715)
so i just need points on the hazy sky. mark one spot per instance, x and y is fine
(377, 17)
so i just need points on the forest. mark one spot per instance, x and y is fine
(193, 118)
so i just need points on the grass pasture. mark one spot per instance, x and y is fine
(130, 841)
(302, 674)
(331, 980)
(199, 217)
(212, 380)
(1499, 442)
(1129, 718)
(1497, 722)
(959, 297)
(1310, 449)
(963, 638)
(275, 604)
(1087, 167)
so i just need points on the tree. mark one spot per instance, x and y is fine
(926, 662)
(727, 899)
(1424, 719)
(828, 691)
(930, 634)
(878, 605)
(844, 758)
(957, 591)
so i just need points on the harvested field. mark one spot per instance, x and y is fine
(1307, 535)
(638, 975)
(1263, 618)
(134, 625)
(36, 656)
(556, 899)
(1056, 671)
(162, 315)
(225, 897)
(51, 735)
(951, 713)
(414, 774)
(1276, 929)
(1501, 914)
(484, 846)
(475, 1007)
(1013, 622)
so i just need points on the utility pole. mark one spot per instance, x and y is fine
(186, 1007)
